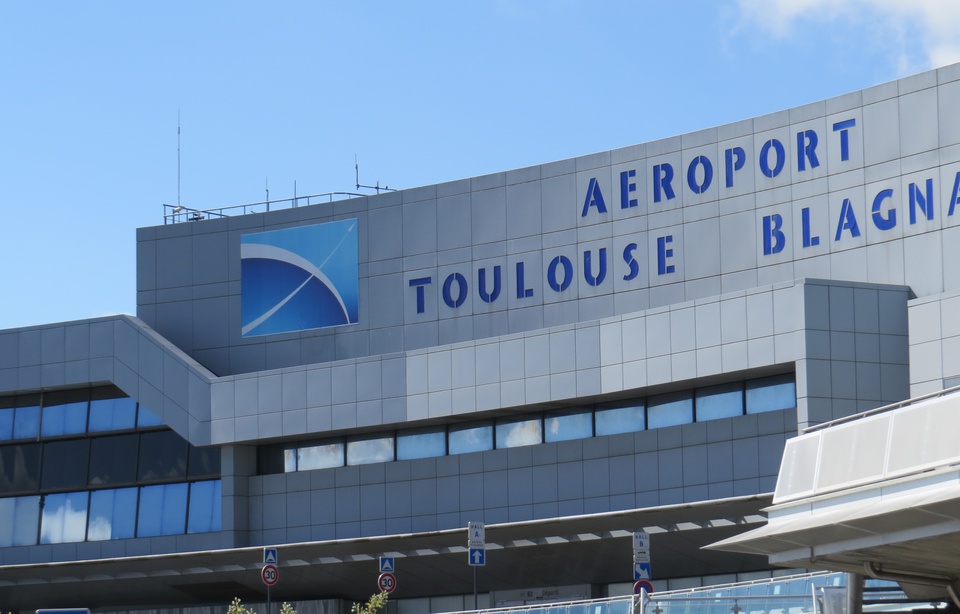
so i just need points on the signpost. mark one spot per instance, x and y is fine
(641, 557)
(387, 581)
(476, 551)
(270, 573)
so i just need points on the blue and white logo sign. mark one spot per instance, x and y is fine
(299, 278)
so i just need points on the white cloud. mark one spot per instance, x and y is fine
(926, 28)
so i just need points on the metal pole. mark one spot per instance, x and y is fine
(854, 593)
(475, 588)
(268, 599)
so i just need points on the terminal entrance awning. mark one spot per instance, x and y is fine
(876, 494)
(588, 549)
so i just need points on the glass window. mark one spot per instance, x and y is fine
(65, 464)
(670, 409)
(6, 423)
(145, 417)
(271, 459)
(204, 514)
(204, 462)
(113, 460)
(514, 433)
(20, 468)
(64, 419)
(19, 521)
(112, 414)
(564, 426)
(421, 444)
(771, 393)
(64, 518)
(163, 510)
(320, 456)
(26, 422)
(113, 514)
(369, 450)
(724, 401)
(623, 418)
(289, 460)
(470, 438)
(163, 456)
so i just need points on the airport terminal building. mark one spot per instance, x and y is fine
(567, 353)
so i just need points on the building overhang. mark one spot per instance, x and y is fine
(890, 510)
(577, 550)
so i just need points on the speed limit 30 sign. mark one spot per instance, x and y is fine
(387, 582)
(270, 574)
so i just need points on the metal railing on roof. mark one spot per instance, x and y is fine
(175, 214)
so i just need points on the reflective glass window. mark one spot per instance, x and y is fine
(64, 419)
(724, 401)
(113, 460)
(112, 414)
(20, 468)
(65, 464)
(145, 417)
(564, 426)
(19, 521)
(470, 438)
(113, 514)
(163, 510)
(771, 393)
(514, 433)
(626, 418)
(421, 444)
(163, 456)
(204, 514)
(369, 450)
(320, 456)
(289, 460)
(26, 422)
(64, 518)
(204, 462)
(670, 409)
(6, 423)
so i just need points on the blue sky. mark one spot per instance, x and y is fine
(273, 94)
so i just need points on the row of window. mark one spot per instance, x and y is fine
(707, 403)
(106, 460)
(73, 412)
(120, 513)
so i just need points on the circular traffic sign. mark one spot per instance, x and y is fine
(270, 574)
(387, 582)
(642, 585)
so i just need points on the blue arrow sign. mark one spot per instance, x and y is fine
(641, 571)
(478, 557)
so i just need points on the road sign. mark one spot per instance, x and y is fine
(270, 574)
(641, 547)
(642, 585)
(270, 556)
(641, 571)
(386, 564)
(476, 535)
(477, 557)
(387, 582)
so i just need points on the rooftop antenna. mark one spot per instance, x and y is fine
(178, 159)
(356, 166)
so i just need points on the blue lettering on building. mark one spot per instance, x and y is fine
(884, 213)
